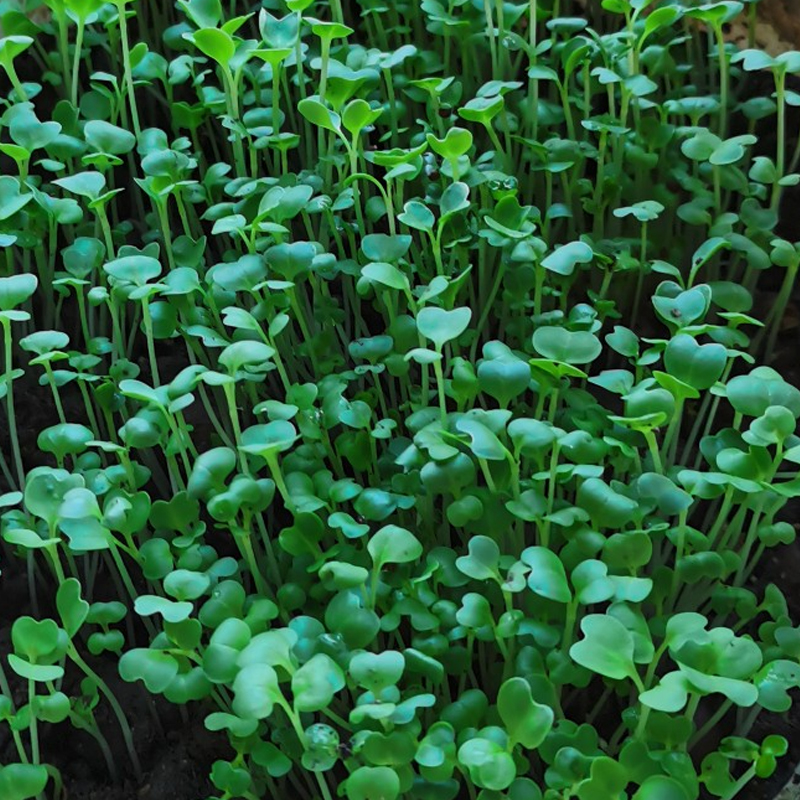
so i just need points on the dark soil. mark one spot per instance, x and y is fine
(178, 770)
(176, 753)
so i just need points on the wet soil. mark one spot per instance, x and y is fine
(174, 748)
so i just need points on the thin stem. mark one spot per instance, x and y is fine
(740, 784)
(533, 83)
(569, 625)
(5, 691)
(487, 11)
(126, 59)
(710, 723)
(151, 348)
(105, 226)
(127, 734)
(280, 483)
(323, 785)
(779, 309)
(76, 61)
(63, 45)
(12, 420)
(276, 94)
(34, 725)
(780, 155)
(15, 82)
(439, 372)
(641, 725)
(51, 379)
(723, 81)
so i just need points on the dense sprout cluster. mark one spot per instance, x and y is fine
(405, 412)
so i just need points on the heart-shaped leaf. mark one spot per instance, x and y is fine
(607, 647)
(526, 721)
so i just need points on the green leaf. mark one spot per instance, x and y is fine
(16, 289)
(65, 439)
(380, 247)
(660, 18)
(149, 604)
(385, 274)
(53, 708)
(214, 43)
(442, 326)
(526, 721)
(108, 138)
(547, 577)
(274, 56)
(185, 584)
(41, 673)
(316, 682)
(753, 60)
(455, 144)
(455, 198)
(539, 72)
(699, 365)
(607, 647)
(377, 671)
(12, 46)
(72, 608)
(318, 114)
(373, 783)
(774, 426)
(488, 763)
(475, 612)
(731, 150)
(269, 439)
(418, 216)
(394, 545)
(242, 354)
(204, 13)
(607, 508)
(12, 199)
(37, 640)
(661, 787)
(256, 690)
(85, 184)
(564, 259)
(482, 110)
(154, 668)
(330, 30)
(763, 387)
(483, 442)
(569, 347)
(22, 781)
(137, 269)
(504, 377)
(643, 211)
(483, 560)
(681, 308)
(358, 114)
(422, 355)
(774, 681)
(669, 695)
